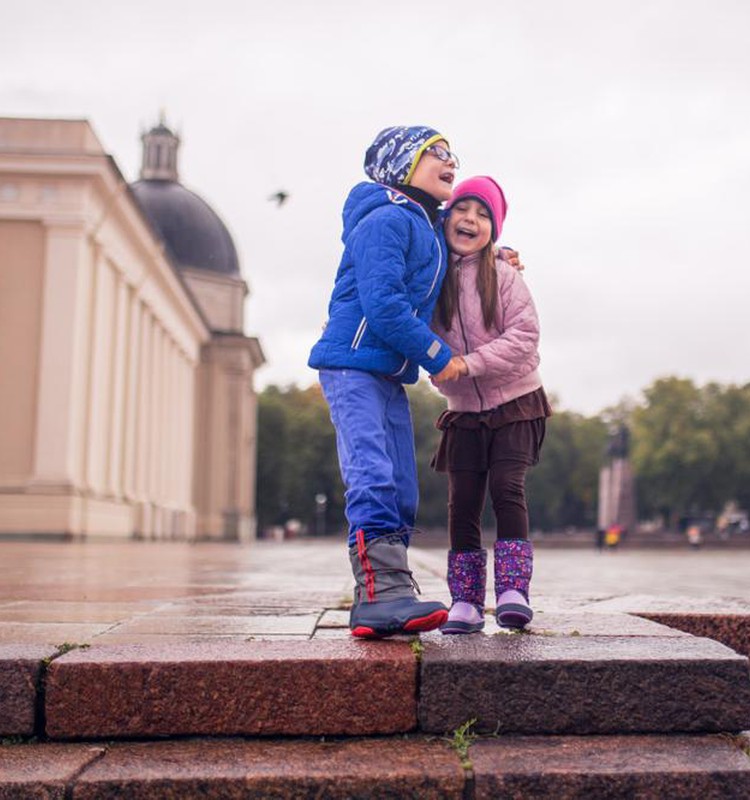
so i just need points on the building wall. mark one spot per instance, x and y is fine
(99, 345)
(226, 438)
(221, 298)
(21, 263)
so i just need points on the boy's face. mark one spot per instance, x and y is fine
(433, 175)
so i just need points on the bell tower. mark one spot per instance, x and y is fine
(160, 147)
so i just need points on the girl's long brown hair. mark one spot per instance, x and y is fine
(447, 304)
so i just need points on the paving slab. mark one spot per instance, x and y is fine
(100, 582)
(51, 632)
(26, 611)
(612, 767)
(204, 608)
(103, 594)
(543, 603)
(376, 768)
(42, 771)
(577, 624)
(119, 638)
(214, 624)
(334, 618)
(524, 683)
(733, 630)
(257, 688)
(279, 600)
(332, 633)
(20, 670)
(675, 603)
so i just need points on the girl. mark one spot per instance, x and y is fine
(376, 338)
(494, 426)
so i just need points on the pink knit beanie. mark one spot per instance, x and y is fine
(487, 191)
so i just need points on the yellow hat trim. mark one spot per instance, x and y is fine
(436, 138)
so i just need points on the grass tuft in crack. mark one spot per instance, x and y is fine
(417, 648)
(741, 741)
(463, 737)
(62, 649)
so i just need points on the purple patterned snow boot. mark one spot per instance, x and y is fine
(514, 561)
(467, 579)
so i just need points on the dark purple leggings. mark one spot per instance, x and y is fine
(466, 494)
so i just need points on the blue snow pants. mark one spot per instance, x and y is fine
(375, 443)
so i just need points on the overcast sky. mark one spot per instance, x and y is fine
(620, 132)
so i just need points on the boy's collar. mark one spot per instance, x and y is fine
(430, 204)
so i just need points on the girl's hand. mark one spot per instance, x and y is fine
(511, 257)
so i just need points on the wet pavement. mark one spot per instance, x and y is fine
(247, 647)
(144, 592)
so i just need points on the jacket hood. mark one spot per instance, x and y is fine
(365, 197)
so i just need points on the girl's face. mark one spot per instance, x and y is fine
(433, 175)
(468, 228)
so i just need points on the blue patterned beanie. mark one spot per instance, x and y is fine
(393, 156)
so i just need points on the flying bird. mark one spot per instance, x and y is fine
(279, 197)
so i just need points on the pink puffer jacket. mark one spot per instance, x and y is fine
(502, 361)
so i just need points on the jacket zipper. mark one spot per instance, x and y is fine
(359, 334)
(463, 336)
(414, 313)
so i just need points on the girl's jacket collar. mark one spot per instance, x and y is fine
(465, 262)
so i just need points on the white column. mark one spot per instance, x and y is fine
(187, 389)
(154, 440)
(173, 415)
(100, 393)
(163, 436)
(132, 416)
(120, 357)
(142, 474)
(62, 369)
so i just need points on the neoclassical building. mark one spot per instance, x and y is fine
(126, 382)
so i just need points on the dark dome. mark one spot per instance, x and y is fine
(191, 230)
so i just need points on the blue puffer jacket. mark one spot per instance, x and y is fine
(386, 288)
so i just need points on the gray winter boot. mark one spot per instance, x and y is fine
(384, 600)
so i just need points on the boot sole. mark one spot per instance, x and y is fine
(462, 627)
(513, 616)
(428, 623)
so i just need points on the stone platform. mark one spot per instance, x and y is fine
(522, 768)
(101, 644)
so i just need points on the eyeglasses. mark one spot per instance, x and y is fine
(443, 154)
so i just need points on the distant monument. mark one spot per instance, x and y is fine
(616, 486)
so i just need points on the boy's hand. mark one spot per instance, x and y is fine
(452, 371)
(511, 257)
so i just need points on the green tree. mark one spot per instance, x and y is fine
(729, 408)
(562, 488)
(296, 458)
(271, 454)
(676, 449)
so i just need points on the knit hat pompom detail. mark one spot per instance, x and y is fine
(393, 156)
(489, 193)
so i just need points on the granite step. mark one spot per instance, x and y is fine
(582, 674)
(559, 768)
(260, 688)
(613, 767)
(584, 684)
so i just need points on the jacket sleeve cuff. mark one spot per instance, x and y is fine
(440, 361)
(476, 364)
